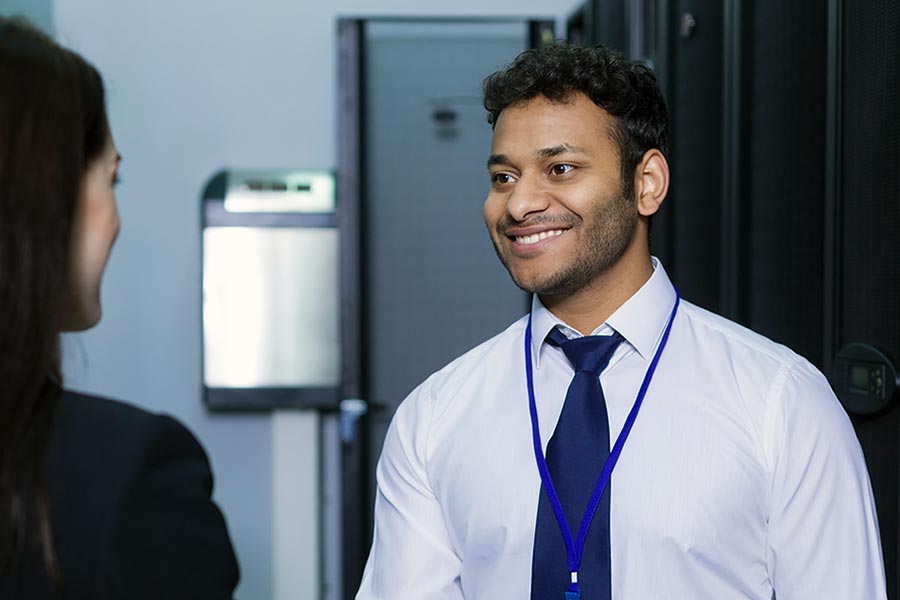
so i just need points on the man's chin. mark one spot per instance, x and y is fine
(542, 287)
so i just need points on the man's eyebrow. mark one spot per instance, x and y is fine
(503, 159)
(498, 159)
(557, 150)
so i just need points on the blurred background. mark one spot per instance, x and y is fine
(323, 164)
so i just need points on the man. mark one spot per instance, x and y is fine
(706, 462)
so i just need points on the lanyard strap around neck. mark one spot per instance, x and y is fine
(574, 548)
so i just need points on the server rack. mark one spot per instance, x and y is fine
(784, 210)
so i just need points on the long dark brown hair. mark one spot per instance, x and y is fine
(52, 125)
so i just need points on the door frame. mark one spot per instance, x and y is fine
(353, 488)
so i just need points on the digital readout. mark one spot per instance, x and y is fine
(859, 379)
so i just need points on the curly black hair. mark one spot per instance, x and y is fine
(626, 90)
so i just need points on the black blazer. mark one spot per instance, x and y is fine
(130, 509)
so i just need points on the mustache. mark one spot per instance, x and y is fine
(563, 221)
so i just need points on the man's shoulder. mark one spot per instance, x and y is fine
(761, 382)
(712, 329)
(490, 356)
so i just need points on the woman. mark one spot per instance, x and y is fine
(98, 499)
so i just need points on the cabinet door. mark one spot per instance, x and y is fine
(869, 229)
(784, 172)
(693, 210)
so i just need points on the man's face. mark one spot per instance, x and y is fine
(555, 212)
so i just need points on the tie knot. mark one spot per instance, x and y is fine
(590, 353)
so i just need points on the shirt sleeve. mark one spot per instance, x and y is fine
(412, 555)
(823, 532)
(170, 540)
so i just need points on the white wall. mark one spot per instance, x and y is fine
(194, 86)
(39, 12)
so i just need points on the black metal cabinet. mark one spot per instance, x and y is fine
(784, 206)
(865, 225)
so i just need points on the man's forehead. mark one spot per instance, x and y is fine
(543, 128)
(562, 99)
(578, 111)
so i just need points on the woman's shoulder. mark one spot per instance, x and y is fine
(139, 484)
(103, 432)
(77, 410)
(98, 447)
(99, 409)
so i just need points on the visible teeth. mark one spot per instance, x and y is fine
(536, 237)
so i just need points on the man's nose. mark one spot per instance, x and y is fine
(527, 198)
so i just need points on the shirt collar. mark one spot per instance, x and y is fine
(640, 320)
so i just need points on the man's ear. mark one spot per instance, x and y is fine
(651, 182)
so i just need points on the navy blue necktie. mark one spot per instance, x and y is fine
(575, 457)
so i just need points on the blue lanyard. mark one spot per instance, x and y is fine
(575, 548)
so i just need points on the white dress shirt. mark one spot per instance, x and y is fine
(742, 477)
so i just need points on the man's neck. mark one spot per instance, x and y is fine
(590, 307)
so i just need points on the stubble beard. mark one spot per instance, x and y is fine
(611, 228)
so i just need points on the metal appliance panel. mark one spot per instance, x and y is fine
(269, 307)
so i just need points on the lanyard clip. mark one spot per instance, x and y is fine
(574, 592)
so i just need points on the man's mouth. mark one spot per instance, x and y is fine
(537, 237)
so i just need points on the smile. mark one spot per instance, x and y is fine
(536, 237)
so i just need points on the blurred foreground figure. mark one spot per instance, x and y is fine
(98, 499)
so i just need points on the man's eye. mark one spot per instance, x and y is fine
(502, 178)
(561, 169)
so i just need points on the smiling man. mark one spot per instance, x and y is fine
(617, 442)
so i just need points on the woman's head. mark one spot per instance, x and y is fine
(57, 223)
(55, 147)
